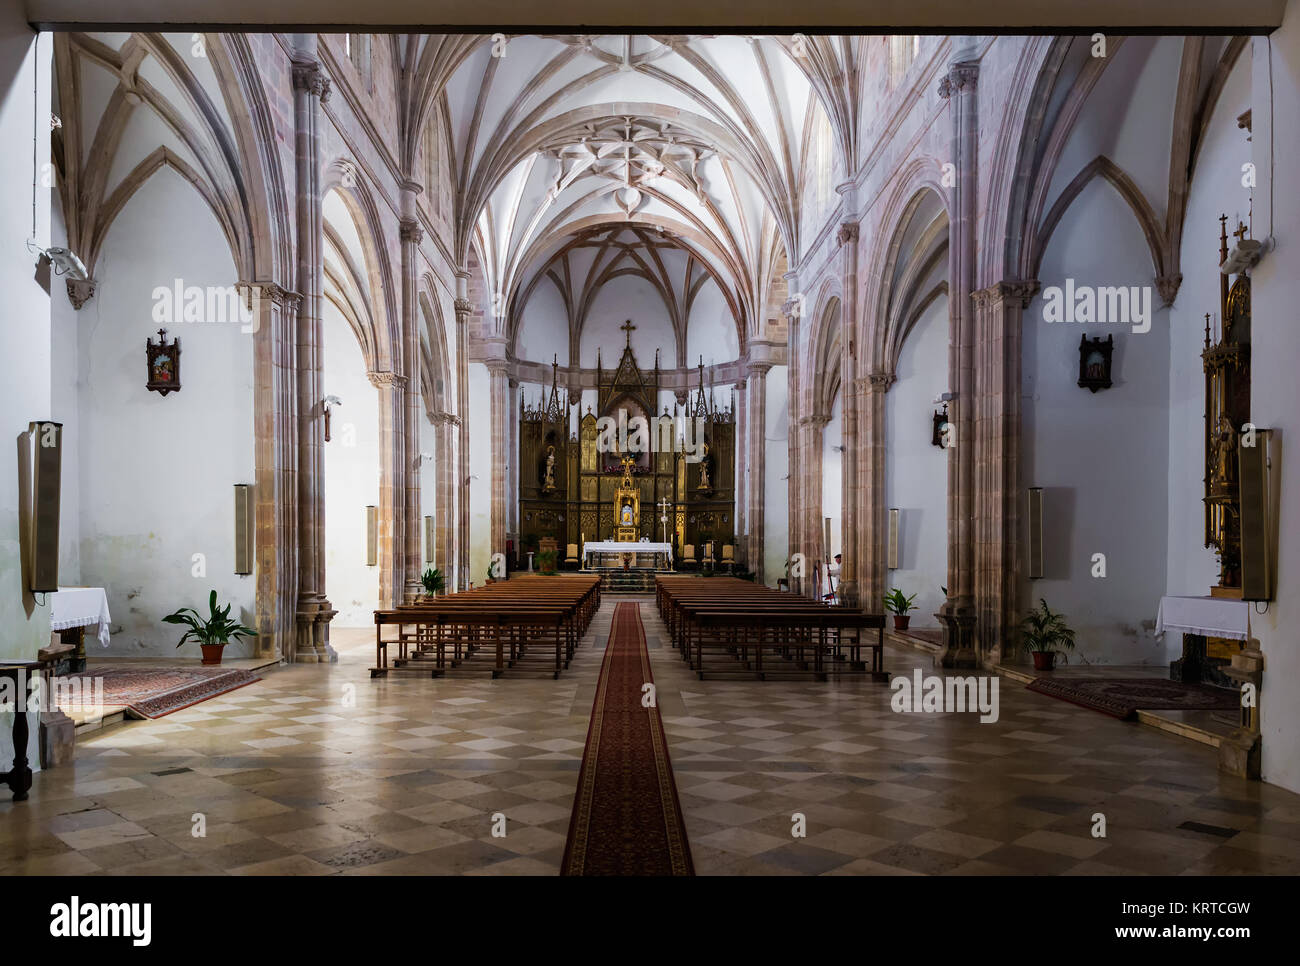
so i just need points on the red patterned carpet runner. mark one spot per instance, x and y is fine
(626, 817)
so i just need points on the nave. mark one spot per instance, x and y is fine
(319, 770)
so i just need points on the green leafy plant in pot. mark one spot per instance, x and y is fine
(1045, 634)
(546, 561)
(214, 633)
(434, 582)
(898, 604)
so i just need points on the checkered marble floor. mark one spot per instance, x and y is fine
(319, 770)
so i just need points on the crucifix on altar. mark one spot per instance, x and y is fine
(664, 506)
(627, 328)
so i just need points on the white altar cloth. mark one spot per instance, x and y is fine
(80, 607)
(621, 547)
(1206, 616)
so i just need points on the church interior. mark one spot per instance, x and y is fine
(816, 452)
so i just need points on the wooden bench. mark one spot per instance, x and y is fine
(529, 623)
(728, 626)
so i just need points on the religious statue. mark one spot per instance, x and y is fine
(705, 483)
(626, 517)
(1225, 451)
(548, 481)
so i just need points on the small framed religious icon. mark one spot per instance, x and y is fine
(164, 363)
(939, 432)
(1094, 362)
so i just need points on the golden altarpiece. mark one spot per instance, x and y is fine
(1225, 359)
(574, 489)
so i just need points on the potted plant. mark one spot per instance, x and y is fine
(898, 604)
(1045, 634)
(546, 561)
(433, 581)
(214, 633)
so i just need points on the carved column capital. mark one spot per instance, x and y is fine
(310, 76)
(848, 233)
(410, 230)
(961, 76)
(385, 379)
(878, 380)
(741, 384)
(80, 291)
(463, 308)
(273, 292)
(1015, 291)
(1168, 285)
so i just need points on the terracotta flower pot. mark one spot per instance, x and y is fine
(1044, 660)
(212, 653)
(901, 621)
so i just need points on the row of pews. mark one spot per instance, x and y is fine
(728, 626)
(528, 623)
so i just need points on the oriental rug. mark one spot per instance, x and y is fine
(1123, 697)
(152, 692)
(627, 819)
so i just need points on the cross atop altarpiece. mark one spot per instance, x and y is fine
(628, 327)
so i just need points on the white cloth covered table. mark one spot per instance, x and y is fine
(621, 547)
(1206, 616)
(80, 607)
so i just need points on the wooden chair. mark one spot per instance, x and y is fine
(729, 556)
(688, 557)
(708, 555)
(571, 556)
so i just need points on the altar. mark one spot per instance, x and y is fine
(655, 551)
(1211, 627)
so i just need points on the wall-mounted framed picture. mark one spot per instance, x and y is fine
(939, 434)
(1094, 362)
(164, 362)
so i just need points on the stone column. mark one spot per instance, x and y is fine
(276, 489)
(310, 89)
(463, 308)
(444, 508)
(410, 522)
(998, 489)
(958, 614)
(742, 474)
(499, 405)
(812, 446)
(392, 483)
(512, 463)
(875, 509)
(852, 562)
(756, 432)
(794, 497)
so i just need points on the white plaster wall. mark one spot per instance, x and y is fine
(1101, 458)
(1275, 391)
(1216, 189)
(25, 348)
(544, 332)
(157, 473)
(711, 330)
(480, 470)
(620, 299)
(776, 502)
(916, 471)
(64, 325)
(351, 474)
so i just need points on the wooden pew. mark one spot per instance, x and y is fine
(723, 625)
(526, 623)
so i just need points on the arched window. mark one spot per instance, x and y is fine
(823, 158)
(903, 49)
(357, 49)
(432, 166)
